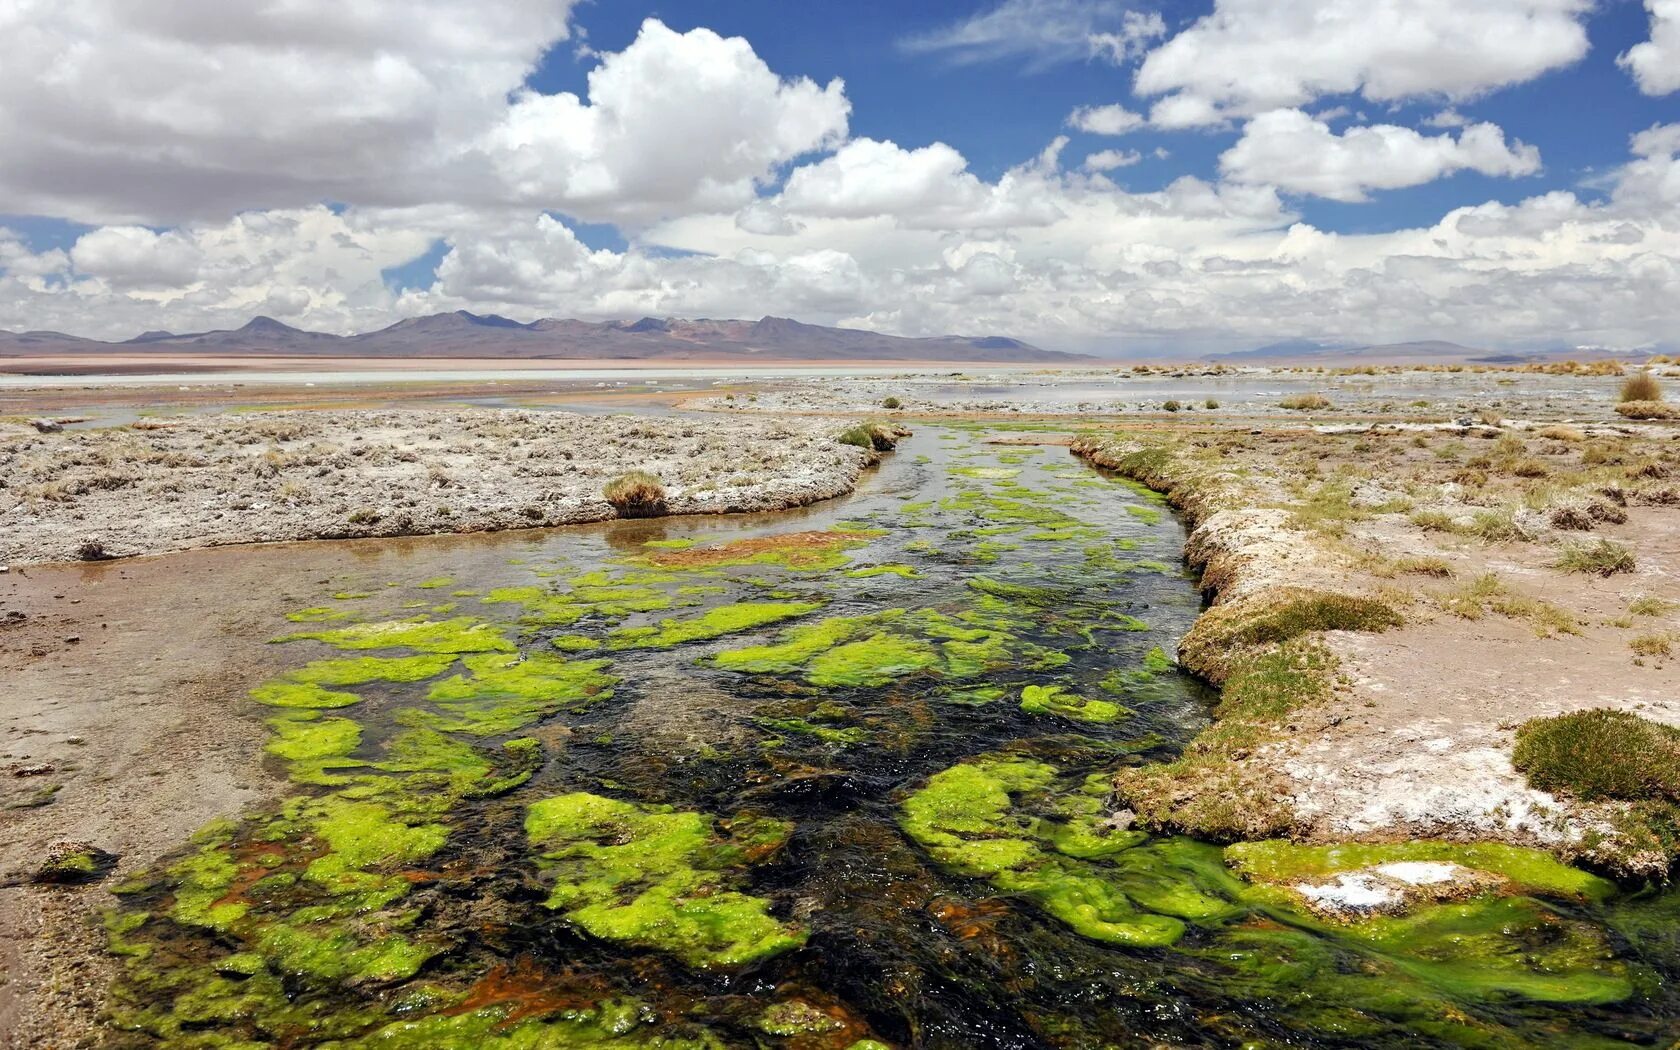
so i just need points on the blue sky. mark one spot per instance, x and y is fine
(1504, 173)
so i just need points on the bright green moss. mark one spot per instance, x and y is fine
(1147, 515)
(598, 597)
(669, 545)
(361, 670)
(306, 695)
(1156, 661)
(658, 878)
(871, 651)
(1528, 870)
(504, 693)
(338, 955)
(872, 661)
(714, 623)
(459, 635)
(1068, 862)
(1055, 700)
(803, 727)
(310, 742)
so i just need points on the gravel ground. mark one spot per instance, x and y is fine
(208, 481)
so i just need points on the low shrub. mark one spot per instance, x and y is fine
(635, 494)
(892, 403)
(1172, 406)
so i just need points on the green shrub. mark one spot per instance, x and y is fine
(1210, 403)
(892, 403)
(1172, 406)
(860, 436)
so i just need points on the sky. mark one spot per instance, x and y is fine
(1100, 175)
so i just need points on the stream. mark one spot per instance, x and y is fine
(834, 779)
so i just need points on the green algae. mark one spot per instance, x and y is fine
(306, 695)
(459, 635)
(874, 650)
(611, 1025)
(714, 623)
(804, 727)
(362, 670)
(501, 694)
(1528, 870)
(795, 1018)
(659, 878)
(1065, 862)
(597, 597)
(1055, 700)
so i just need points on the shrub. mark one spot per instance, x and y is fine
(636, 494)
(1562, 433)
(1653, 645)
(1305, 402)
(1601, 558)
(1432, 520)
(1641, 386)
(892, 403)
(1172, 406)
(1210, 403)
(1601, 754)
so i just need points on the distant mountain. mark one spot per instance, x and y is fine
(464, 334)
(1420, 352)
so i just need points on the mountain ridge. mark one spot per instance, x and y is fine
(461, 333)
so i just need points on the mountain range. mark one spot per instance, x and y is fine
(1420, 352)
(466, 335)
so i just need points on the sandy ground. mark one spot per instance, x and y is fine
(132, 732)
(258, 477)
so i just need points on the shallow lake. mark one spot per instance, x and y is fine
(827, 779)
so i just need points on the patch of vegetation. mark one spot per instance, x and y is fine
(1648, 410)
(1601, 754)
(1598, 558)
(1640, 386)
(635, 494)
(1305, 402)
(1488, 593)
(892, 403)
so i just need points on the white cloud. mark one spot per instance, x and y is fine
(1655, 64)
(929, 187)
(1110, 159)
(1447, 118)
(1288, 149)
(1113, 119)
(1043, 33)
(1249, 56)
(161, 110)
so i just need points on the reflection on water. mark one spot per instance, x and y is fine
(829, 779)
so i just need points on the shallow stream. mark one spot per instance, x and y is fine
(825, 780)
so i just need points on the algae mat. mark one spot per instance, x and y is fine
(833, 779)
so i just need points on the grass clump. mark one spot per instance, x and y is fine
(1599, 558)
(635, 494)
(1641, 386)
(1646, 605)
(1656, 646)
(1305, 402)
(1488, 593)
(1601, 754)
(892, 403)
(1432, 520)
(1648, 410)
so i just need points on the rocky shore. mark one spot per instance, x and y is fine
(94, 494)
(1392, 611)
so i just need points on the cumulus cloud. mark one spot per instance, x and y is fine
(163, 110)
(1295, 152)
(1113, 119)
(1249, 56)
(929, 187)
(1655, 64)
(1043, 33)
(1110, 159)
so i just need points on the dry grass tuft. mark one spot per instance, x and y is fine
(1641, 386)
(1305, 402)
(1599, 558)
(636, 494)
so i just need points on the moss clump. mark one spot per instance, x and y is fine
(714, 623)
(657, 878)
(795, 1018)
(364, 669)
(906, 572)
(610, 1025)
(1055, 700)
(559, 608)
(459, 635)
(803, 551)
